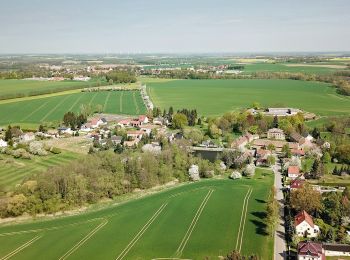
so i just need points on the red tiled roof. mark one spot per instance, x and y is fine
(310, 249)
(296, 184)
(297, 152)
(293, 170)
(303, 216)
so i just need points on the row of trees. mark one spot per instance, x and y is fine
(98, 176)
(121, 76)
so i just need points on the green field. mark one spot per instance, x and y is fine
(50, 109)
(280, 67)
(13, 171)
(11, 88)
(193, 221)
(215, 97)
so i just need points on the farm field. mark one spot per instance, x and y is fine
(293, 68)
(11, 88)
(175, 223)
(215, 97)
(14, 171)
(52, 109)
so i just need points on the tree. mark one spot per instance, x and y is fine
(271, 147)
(275, 122)
(69, 119)
(272, 210)
(331, 212)
(8, 133)
(326, 158)
(318, 169)
(42, 129)
(306, 198)
(179, 121)
(286, 151)
(271, 160)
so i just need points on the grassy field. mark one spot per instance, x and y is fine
(53, 108)
(204, 219)
(13, 171)
(11, 88)
(214, 97)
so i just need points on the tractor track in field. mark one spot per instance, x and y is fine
(20, 248)
(83, 240)
(243, 220)
(141, 232)
(193, 224)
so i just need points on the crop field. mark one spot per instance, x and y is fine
(52, 109)
(293, 68)
(11, 88)
(13, 171)
(209, 218)
(215, 97)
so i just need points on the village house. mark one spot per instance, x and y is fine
(135, 134)
(262, 155)
(293, 172)
(124, 122)
(3, 143)
(304, 225)
(143, 119)
(27, 137)
(116, 139)
(308, 250)
(131, 143)
(160, 121)
(242, 141)
(283, 111)
(97, 122)
(278, 144)
(339, 250)
(296, 184)
(276, 133)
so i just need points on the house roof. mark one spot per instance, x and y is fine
(310, 248)
(337, 247)
(275, 130)
(135, 132)
(296, 136)
(142, 117)
(296, 184)
(303, 216)
(297, 152)
(293, 170)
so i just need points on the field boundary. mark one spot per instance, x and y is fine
(193, 224)
(141, 232)
(20, 248)
(83, 240)
(243, 220)
(106, 101)
(54, 108)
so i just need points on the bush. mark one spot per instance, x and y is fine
(55, 150)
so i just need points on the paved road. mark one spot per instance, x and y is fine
(280, 243)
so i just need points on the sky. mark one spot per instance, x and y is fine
(174, 26)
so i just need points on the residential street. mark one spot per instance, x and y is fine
(280, 243)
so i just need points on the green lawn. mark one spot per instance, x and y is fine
(14, 171)
(11, 88)
(192, 221)
(215, 97)
(50, 109)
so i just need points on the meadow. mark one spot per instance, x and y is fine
(12, 88)
(215, 97)
(51, 109)
(209, 218)
(14, 171)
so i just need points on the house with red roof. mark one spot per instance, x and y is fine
(308, 250)
(293, 172)
(296, 184)
(143, 119)
(304, 225)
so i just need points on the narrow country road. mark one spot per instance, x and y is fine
(280, 243)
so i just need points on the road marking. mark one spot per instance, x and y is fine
(121, 101)
(193, 224)
(17, 250)
(83, 240)
(141, 232)
(106, 101)
(243, 220)
(55, 107)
